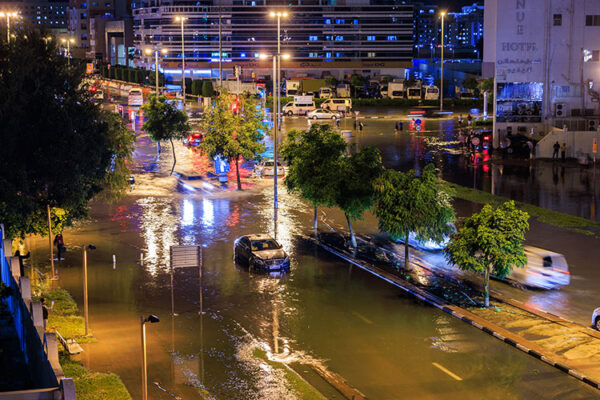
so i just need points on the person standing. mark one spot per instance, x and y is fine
(45, 312)
(556, 147)
(563, 151)
(60, 245)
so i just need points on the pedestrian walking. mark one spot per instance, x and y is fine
(556, 147)
(45, 311)
(399, 126)
(563, 151)
(60, 245)
(469, 119)
(361, 126)
(338, 122)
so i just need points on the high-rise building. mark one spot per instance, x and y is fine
(48, 15)
(322, 36)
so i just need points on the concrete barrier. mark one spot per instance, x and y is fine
(579, 143)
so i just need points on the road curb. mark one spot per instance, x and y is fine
(490, 328)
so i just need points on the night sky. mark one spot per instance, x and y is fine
(453, 5)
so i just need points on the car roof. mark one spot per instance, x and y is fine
(259, 236)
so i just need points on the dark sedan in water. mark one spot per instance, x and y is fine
(260, 252)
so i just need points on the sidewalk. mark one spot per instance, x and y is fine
(568, 346)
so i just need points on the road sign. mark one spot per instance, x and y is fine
(185, 256)
(595, 146)
(418, 122)
(418, 128)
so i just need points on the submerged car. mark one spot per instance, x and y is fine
(267, 168)
(321, 113)
(596, 319)
(260, 252)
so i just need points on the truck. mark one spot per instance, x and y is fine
(414, 92)
(431, 92)
(239, 87)
(311, 86)
(292, 87)
(396, 90)
(343, 90)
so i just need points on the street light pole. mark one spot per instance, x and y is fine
(85, 286)
(8, 15)
(442, 67)
(220, 53)
(152, 319)
(182, 59)
(275, 128)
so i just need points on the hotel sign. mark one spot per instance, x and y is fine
(520, 40)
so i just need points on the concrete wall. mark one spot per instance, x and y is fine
(579, 143)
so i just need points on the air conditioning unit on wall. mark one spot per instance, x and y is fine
(561, 110)
(593, 124)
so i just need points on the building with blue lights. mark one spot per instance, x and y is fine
(342, 37)
(50, 16)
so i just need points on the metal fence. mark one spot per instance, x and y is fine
(32, 347)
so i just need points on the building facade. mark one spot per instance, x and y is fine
(350, 36)
(49, 16)
(545, 58)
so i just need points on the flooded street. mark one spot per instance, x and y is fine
(322, 314)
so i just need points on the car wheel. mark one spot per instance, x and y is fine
(290, 113)
(334, 117)
(251, 263)
(597, 324)
(315, 117)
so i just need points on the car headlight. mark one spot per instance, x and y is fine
(259, 260)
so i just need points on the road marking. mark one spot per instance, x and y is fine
(453, 375)
(361, 317)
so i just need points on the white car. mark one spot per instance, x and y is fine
(596, 318)
(320, 113)
(267, 168)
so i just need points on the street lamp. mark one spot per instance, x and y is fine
(149, 52)
(443, 14)
(8, 15)
(85, 286)
(152, 319)
(68, 42)
(278, 15)
(276, 69)
(182, 19)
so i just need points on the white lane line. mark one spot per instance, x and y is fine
(362, 318)
(453, 375)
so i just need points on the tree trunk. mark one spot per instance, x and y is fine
(406, 252)
(174, 158)
(352, 237)
(50, 242)
(237, 172)
(315, 219)
(157, 148)
(486, 286)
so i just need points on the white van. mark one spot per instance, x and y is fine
(326, 93)
(339, 105)
(544, 269)
(135, 97)
(299, 107)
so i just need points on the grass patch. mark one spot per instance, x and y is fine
(550, 217)
(64, 316)
(299, 385)
(94, 385)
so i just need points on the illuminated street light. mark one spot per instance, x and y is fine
(149, 52)
(68, 42)
(8, 14)
(182, 19)
(443, 14)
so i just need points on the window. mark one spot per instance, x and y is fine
(371, 54)
(340, 21)
(328, 54)
(339, 38)
(313, 55)
(592, 20)
(371, 38)
(313, 38)
(557, 19)
(355, 22)
(392, 37)
(327, 21)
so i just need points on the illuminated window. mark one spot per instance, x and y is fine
(313, 38)
(371, 37)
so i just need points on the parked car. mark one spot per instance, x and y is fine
(261, 252)
(596, 319)
(320, 113)
(267, 168)
(193, 139)
(135, 97)
(98, 95)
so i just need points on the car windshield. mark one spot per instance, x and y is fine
(267, 244)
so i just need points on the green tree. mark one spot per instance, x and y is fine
(406, 202)
(197, 87)
(354, 193)
(331, 81)
(470, 83)
(165, 122)
(487, 85)
(207, 89)
(111, 73)
(386, 79)
(64, 156)
(314, 157)
(233, 135)
(188, 85)
(490, 242)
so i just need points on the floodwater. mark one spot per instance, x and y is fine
(323, 313)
